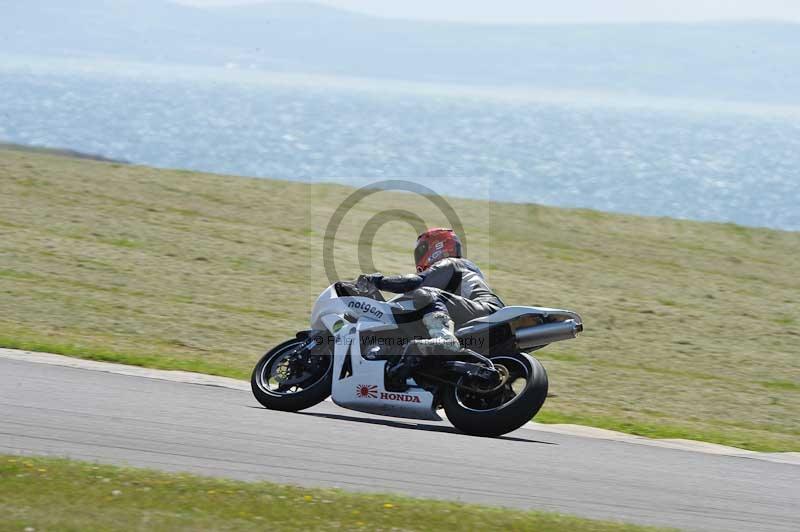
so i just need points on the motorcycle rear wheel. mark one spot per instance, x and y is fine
(504, 410)
(277, 385)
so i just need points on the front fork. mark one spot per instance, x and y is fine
(301, 357)
(313, 338)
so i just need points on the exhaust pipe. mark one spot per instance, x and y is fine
(539, 335)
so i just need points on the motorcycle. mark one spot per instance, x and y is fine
(358, 339)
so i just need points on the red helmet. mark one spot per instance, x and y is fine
(434, 245)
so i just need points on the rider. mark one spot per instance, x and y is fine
(454, 286)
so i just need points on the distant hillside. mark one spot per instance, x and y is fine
(727, 61)
(61, 152)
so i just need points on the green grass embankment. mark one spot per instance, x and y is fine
(692, 329)
(46, 494)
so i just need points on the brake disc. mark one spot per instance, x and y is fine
(504, 375)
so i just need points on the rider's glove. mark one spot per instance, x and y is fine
(369, 282)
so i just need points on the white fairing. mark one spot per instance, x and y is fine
(358, 383)
(508, 314)
(329, 305)
(361, 386)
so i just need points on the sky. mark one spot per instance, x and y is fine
(569, 11)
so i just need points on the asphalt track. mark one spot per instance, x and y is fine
(175, 426)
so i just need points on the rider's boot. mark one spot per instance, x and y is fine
(441, 330)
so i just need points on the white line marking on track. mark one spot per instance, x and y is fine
(235, 384)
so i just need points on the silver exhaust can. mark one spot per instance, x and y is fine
(539, 335)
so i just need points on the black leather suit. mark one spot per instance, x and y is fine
(458, 287)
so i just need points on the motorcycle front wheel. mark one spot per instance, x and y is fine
(497, 412)
(289, 379)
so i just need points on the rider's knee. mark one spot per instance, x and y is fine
(423, 297)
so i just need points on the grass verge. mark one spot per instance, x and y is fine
(102, 355)
(692, 329)
(53, 494)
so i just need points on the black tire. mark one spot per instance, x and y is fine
(476, 414)
(316, 389)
